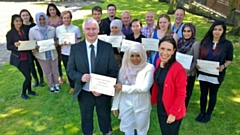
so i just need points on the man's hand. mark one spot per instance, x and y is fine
(96, 94)
(85, 78)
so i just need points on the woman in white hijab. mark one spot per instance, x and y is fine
(132, 95)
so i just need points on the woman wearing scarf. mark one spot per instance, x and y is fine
(132, 96)
(188, 45)
(116, 30)
(49, 59)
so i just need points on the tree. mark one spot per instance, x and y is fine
(171, 6)
(232, 18)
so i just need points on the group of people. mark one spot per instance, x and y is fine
(138, 71)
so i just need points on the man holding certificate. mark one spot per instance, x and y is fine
(92, 56)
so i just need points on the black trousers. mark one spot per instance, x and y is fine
(60, 68)
(189, 88)
(65, 61)
(25, 68)
(167, 129)
(87, 101)
(212, 89)
(33, 69)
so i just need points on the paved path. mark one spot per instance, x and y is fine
(7, 9)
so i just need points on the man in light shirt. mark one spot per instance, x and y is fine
(178, 24)
(150, 25)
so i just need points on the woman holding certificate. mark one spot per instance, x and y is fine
(214, 48)
(20, 59)
(169, 88)
(132, 95)
(116, 30)
(47, 59)
(188, 45)
(67, 28)
(29, 23)
(136, 27)
(55, 20)
(162, 29)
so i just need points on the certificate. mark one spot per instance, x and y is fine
(115, 41)
(103, 37)
(126, 44)
(27, 45)
(209, 67)
(102, 84)
(184, 59)
(46, 45)
(66, 37)
(150, 44)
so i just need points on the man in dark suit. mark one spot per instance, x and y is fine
(92, 56)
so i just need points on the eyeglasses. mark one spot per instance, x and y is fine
(187, 31)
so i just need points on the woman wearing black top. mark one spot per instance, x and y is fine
(22, 60)
(136, 27)
(29, 23)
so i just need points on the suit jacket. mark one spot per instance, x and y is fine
(12, 37)
(78, 64)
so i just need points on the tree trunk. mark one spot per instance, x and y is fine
(232, 18)
(171, 7)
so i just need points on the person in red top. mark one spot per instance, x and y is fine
(169, 88)
(20, 59)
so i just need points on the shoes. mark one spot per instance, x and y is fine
(25, 97)
(200, 117)
(71, 91)
(33, 93)
(36, 83)
(206, 118)
(52, 90)
(41, 83)
(57, 89)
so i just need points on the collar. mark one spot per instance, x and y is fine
(94, 44)
(68, 26)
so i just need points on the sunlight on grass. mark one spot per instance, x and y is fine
(12, 112)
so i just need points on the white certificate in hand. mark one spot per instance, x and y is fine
(102, 84)
(184, 59)
(46, 45)
(115, 41)
(27, 45)
(126, 44)
(150, 44)
(209, 67)
(66, 37)
(103, 37)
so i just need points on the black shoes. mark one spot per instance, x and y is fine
(33, 93)
(25, 97)
(204, 118)
(41, 83)
(36, 83)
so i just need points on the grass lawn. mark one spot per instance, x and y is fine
(54, 114)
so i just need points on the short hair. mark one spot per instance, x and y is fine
(111, 5)
(89, 20)
(30, 16)
(180, 9)
(54, 6)
(66, 12)
(136, 20)
(97, 8)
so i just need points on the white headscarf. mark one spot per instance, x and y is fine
(129, 71)
(118, 24)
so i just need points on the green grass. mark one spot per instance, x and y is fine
(54, 114)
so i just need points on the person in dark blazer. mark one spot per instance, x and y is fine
(92, 56)
(20, 59)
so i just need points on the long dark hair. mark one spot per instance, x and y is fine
(172, 41)
(54, 6)
(13, 18)
(30, 16)
(206, 43)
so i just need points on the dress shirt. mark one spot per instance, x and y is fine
(126, 31)
(146, 31)
(86, 86)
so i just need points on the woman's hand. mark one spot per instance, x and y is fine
(17, 44)
(170, 119)
(221, 68)
(118, 86)
(115, 113)
(197, 67)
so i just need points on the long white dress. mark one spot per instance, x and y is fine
(133, 102)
